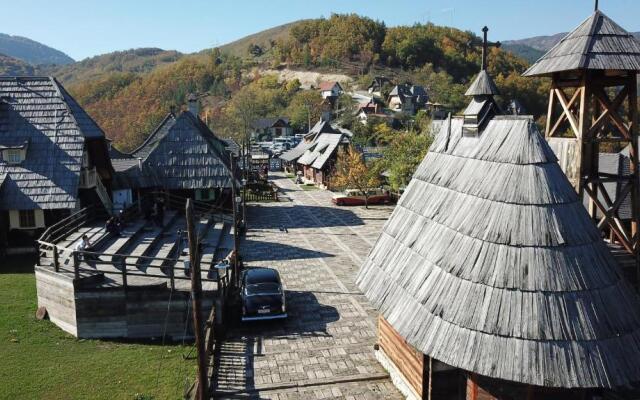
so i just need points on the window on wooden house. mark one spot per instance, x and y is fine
(27, 218)
(13, 156)
(204, 194)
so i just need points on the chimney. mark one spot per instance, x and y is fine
(193, 104)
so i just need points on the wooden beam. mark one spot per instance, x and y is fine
(614, 227)
(613, 114)
(565, 106)
(552, 101)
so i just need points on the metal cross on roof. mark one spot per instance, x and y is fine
(485, 46)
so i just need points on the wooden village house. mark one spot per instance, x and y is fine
(290, 157)
(491, 279)
(54, 159)
(266, 129)
(181, 156)
(330, 89)
(407, 98)
(318, 160)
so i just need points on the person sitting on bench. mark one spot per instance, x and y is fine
(83, 245)
(113, 226)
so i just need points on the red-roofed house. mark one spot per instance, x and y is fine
(330, 89)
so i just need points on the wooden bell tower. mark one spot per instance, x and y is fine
(593, 109)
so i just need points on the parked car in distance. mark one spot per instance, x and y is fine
(354, 197)
(262, 295)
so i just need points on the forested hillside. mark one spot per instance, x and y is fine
(128, 96)
(31, 51)
(135, 60)
(10, 66)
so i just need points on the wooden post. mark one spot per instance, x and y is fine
(633, 160)
(430, 378)
(472, 387)
(76, 262)
(56, 261)
(234, 270)
(196, 292)
(124, 275)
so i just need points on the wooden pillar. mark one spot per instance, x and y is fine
(196, 293)
(76, 265)
(472, 387)
(633, 159)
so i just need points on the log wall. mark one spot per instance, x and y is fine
(101, 313)
(56, 293)
(408, 360)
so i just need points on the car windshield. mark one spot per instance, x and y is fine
(263, 288)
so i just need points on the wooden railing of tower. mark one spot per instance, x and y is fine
(601, 109)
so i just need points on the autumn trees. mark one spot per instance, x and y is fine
(351, 172)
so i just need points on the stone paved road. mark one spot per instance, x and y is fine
(324, 350)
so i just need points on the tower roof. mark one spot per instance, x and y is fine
(482, 85)
(490, 263)
(598, 43)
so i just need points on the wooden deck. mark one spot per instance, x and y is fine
(147, 251)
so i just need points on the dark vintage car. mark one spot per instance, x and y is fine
(262, 295)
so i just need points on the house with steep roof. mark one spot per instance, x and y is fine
(331, 89)
(266, 129)
(318, 160)
(407, 98)
(181, 156)
(54, 158)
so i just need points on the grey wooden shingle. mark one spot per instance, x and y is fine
(482, 85)
(39, 111)
(490, 263)
(181, 153)
(598, 43)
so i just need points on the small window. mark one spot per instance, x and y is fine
(204, 194)
(27, 219)
(13, 156)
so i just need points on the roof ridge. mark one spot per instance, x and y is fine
(151, 135)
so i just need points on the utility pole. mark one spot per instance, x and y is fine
(196, 293)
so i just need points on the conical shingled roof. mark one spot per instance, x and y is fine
(598, 43)
(490, 263)
(482, 85)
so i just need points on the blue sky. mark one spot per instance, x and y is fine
(83, 28)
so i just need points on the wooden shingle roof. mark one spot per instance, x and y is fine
(598, 43)
(181, 153)
(482, 85)
(491, 264)
(321, 150)
(39, 111)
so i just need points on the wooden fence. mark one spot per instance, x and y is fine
(261, 192)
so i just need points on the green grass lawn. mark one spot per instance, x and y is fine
(40, 361)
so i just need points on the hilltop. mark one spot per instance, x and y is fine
(264, 39)
(138, 61)
(31, 52)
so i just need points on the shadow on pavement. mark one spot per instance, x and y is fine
(273, 251)
(234, 372)
(298, 216)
